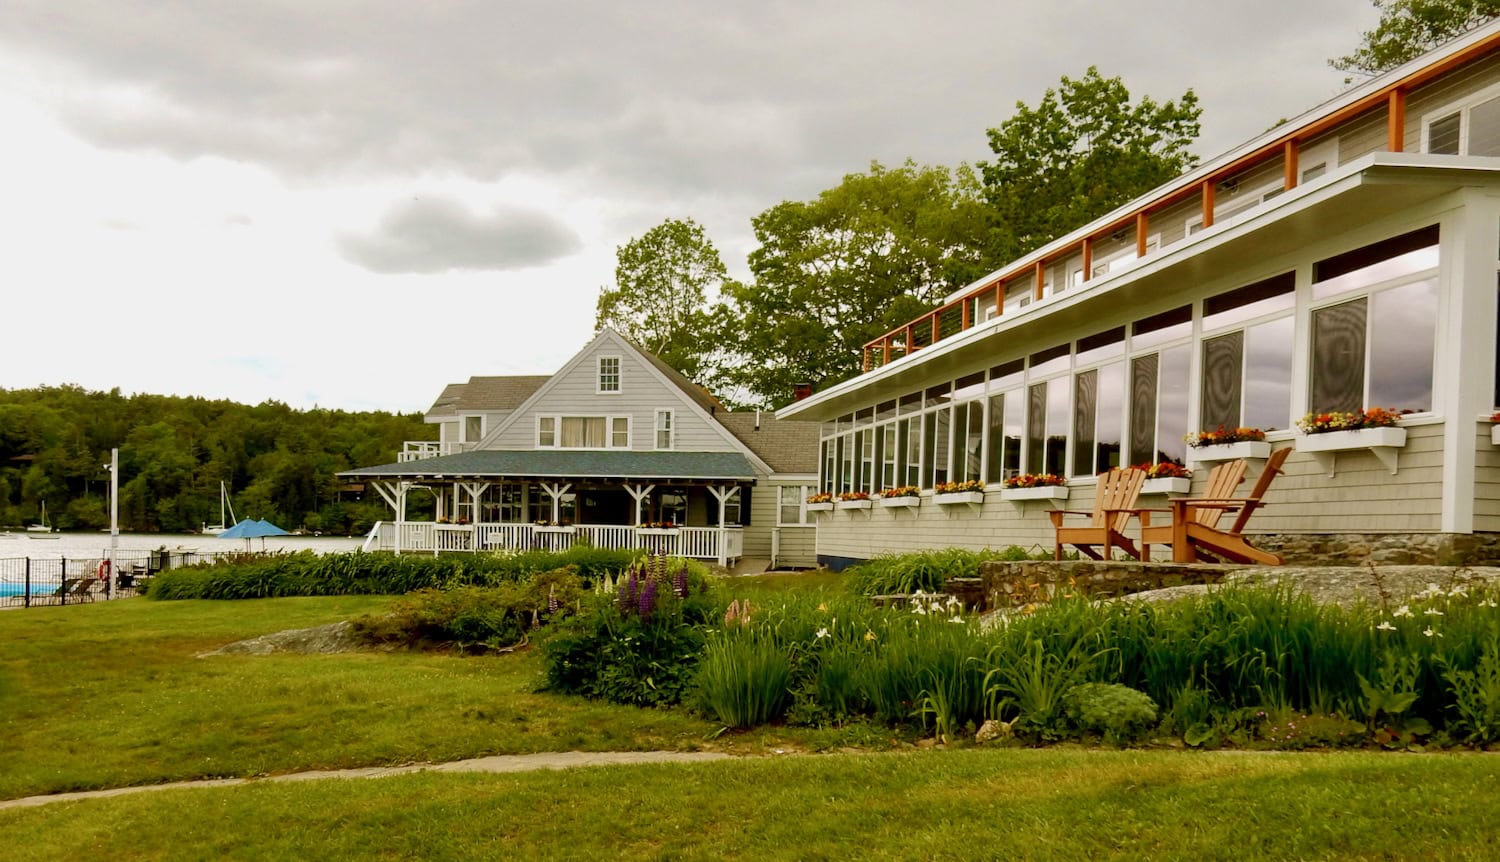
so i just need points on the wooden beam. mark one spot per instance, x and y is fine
(1395, 121)
(1041, 279)
(1289, 153)
(1208, 204)
(1087, 250)
(966, 320)
(911, 346)
(935, 334)
(999, 298)
(1142, 227)
(885, 344)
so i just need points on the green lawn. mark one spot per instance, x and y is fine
(971, 804)
(113, 694)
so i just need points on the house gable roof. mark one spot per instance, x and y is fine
(483, 394)
(789, 446)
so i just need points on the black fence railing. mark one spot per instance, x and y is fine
(41, 581)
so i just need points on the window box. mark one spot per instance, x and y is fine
(1230, 451)
(820, 507)
(1383, 443)
(658, 531)
(854, 504)
(972, 498)
(900, 502)
(1049, 493)
(555, 529)
(1177, 485)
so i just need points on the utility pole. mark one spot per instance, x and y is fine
(114, 514)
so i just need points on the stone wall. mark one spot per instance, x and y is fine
(1361, 549)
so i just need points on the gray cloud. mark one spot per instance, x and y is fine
(653, 101)
(431, 235)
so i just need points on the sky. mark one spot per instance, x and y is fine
(352, 204)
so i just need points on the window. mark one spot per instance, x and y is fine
(1159, 386)
(583, 432)
(609, 375)
(664, 429)
(866, 440)
(1376, 350)
(473, 428)
(910, 447)
(1047, 427)
(1247, 373)
(791, 510)
(1470, 130)
(1098, 411)
(887, 450)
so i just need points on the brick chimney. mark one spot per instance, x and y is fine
(801, 391)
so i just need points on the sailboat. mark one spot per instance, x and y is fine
(223, 505)
(42, 530)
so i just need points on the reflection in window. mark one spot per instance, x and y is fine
(1098, 405)
(1395, 329)
(911, 448)
(1249, 302)
(1172, 404)
(1268, 374)
(1005, 436)
(1442, 135)
(1378, 262)
(1056, 457)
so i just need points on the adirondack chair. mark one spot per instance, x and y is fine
(1195, 520)
(1114, 504)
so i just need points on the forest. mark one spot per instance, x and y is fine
(278, 463)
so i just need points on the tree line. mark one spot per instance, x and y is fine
(887, 245)
(279, 463)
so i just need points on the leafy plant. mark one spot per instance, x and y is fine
(1120, 714)
(743, 679)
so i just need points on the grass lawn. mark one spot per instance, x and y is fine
(971, 804)
(113, 694)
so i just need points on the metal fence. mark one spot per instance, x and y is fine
(28, 582)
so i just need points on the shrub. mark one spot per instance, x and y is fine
(309, 574)
(1121, 715)
(471, 617)
(743, 679)
(636, 641)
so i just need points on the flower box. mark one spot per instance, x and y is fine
(1230, 451)
(1050, 493)
(820, 507)
(657, 531)
(854, 504)
(900, 502)
(1383, 443)
(959, 498)
(1176, 485)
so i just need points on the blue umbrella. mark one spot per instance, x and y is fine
(250, 528)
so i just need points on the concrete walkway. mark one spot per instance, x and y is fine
(498, 763)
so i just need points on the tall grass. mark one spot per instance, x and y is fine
(744, 678)
(904, 574)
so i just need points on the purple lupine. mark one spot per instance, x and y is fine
(627, 593)
(552, 603)
(680, 583)
(648, 599)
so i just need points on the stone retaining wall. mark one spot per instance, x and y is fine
(1360, 549)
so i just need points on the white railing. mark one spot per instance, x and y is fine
(701, 543)
(416, 450)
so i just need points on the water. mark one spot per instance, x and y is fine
(96, 545)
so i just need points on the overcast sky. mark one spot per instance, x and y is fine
(351, 204)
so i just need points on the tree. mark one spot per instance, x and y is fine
(835, 272)
(1081, 152)
(1410, 28)
(663, 280)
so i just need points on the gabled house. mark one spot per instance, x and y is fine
(616, 448)
(1346, 259)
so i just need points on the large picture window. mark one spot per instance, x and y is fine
(1247, 372)
(583, 432)
(1376, 350)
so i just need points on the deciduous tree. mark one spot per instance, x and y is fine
(1081, 152)
(1410, 28)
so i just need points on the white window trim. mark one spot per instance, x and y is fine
(599, 375)
(609, 423)
(671, 430)
(803, 492)
(483, 427)
(1462, 108)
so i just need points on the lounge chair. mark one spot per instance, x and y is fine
(77, 588)
(1114, 504)
(1195, 520)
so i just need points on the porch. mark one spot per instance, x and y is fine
(722, 545)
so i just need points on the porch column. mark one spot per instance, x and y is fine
(639, 493)
(394, 494)
(555, 491)
(722, 493)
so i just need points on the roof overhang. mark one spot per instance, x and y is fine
(1375, 186)
(568, 464)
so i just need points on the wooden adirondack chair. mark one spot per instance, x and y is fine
(1114, 504)
(1195, 520)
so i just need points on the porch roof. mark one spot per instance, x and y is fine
(569, 464)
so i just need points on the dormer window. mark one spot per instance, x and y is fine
(609, 375)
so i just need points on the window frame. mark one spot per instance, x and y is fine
(801, 493)
(600, 374)
(670, 430)
(1461, 107)
(609, 431)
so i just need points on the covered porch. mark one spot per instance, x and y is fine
(689, 504)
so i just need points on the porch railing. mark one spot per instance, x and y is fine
(721, 544)
(416, 450)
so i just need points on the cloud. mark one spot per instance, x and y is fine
(434, 234)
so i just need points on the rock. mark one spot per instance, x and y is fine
(992, 730)
(332, 638)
